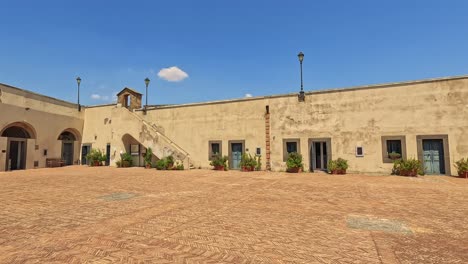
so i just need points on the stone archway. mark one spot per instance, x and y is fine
(17, 135)
(68, 138)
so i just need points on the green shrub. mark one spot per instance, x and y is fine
(248, 162)
(342, 164)
(259, 163)
(95, 157)
(148, 156)
(294, 161)
(332, 166)
(179, 166)
(339, 166)
(394, 155)
(126, 160)
(218, 161)
(402, 166)
(166, 163)
(462, 165)
(118, 164)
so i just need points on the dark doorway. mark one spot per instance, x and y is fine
(67, 152)
(85, 149)
(108, 152)
(319, 153)
(236, 148)
(17, 155)
(17, 135)
(68, 146)
(433, 156)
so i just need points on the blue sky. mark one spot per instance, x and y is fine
(227, 48)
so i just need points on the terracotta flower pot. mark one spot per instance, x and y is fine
(338, 172)
(463, 174)
(411, 173)
(148, 166)
(247, 168)
(219, 168)
(294, 170)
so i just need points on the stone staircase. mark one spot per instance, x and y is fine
(148, 134)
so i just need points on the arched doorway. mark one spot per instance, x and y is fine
(17, 133)
(68, 138)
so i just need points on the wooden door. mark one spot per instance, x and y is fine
(67, 152)
(236, 155)
(433, 156)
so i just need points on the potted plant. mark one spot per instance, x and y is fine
(219, 162)
(462, 167)
(126, 160)
(338, 166)
(102, 159)
(258, 167)
(394, 156)
(178, 166)
(148, 157)
(294, 163)
(166, 163)
(247, 162)
(410, 167)
(95, 157)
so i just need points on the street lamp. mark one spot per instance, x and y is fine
(78, 81)
(147, 81)
(301, 95)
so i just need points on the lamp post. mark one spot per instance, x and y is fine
(78, 81)
(147, 81)
(301, 95)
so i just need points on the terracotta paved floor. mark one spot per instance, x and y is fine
(107, 215)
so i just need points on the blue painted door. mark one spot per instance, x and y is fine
(236, 155)
(433, 156)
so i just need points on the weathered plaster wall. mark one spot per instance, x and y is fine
(119, 127)
(350, 117)
(360, 117)
(191, 127)
(49, 117)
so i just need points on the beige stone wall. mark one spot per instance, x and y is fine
(47, 116)
(350, 117)
(119, 127)
(100, 129)
(191, 127)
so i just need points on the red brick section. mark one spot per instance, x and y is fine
(132, 215)
(267, 141)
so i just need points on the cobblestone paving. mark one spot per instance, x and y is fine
(107, 215)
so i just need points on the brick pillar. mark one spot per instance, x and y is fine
(267, 140)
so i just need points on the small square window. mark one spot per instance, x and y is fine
(359, 152)
(290, 146)
(259, 151)
(393, 147)
(214, 148)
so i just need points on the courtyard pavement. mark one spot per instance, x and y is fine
(80, 214)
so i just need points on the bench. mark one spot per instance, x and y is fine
(54, 162)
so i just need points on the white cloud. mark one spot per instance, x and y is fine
(105, 98)
(248, 95)
(172, 74)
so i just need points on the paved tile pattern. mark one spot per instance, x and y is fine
(107, 215)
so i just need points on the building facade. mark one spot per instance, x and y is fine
(426, 120)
